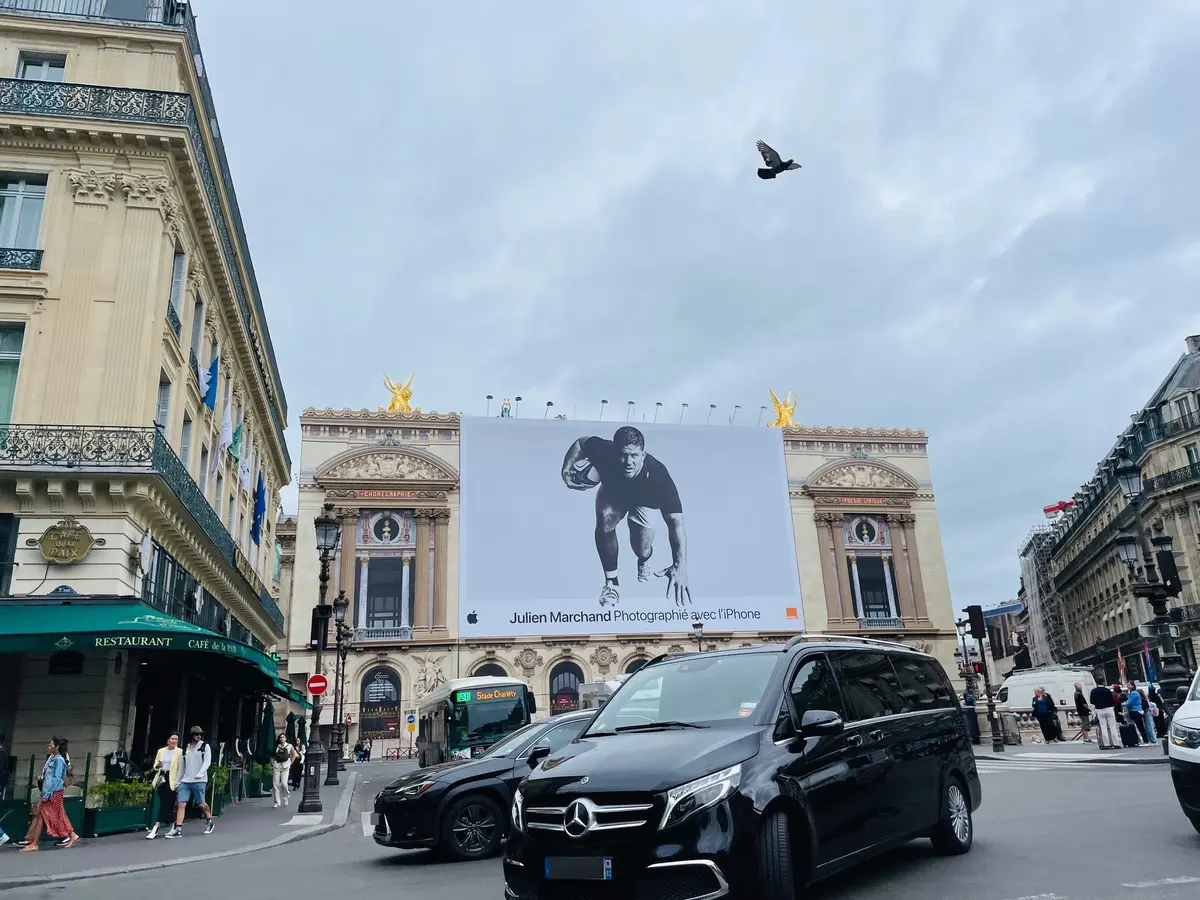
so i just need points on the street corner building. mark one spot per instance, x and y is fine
(141, 410)
(554, 551)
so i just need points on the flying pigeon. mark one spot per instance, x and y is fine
(775, 165)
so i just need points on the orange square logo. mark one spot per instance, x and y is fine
(792, 612)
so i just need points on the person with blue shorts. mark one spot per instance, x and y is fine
(193, 782)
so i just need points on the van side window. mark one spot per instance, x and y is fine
(813, 687)
(921, 683)
(1002, 697)
(869, 683)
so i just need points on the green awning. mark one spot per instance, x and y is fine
(287, 689)
(82, 624)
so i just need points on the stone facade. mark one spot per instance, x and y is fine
(856, 494)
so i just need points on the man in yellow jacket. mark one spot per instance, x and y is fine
(168, 765)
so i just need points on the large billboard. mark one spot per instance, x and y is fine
(572, 527)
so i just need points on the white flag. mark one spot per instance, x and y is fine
(246, 464)
(226, 438)
(202, 374)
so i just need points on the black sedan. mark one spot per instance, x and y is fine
(461, 808)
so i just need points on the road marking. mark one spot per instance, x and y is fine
(366, 823)
(1163, 882)
(304, 819)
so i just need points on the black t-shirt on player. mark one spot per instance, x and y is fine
(651, 488)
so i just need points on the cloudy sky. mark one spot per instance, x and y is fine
(994, 235)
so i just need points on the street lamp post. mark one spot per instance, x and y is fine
(328, 531)
(340, 605)
(698, 632)
(1148, 586)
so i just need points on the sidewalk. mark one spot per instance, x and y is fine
(242, 828)
(1072, 752)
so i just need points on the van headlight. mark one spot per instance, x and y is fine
(1185, 736)
(702, 793)
(515, 814)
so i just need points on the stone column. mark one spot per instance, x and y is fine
(829, 579)
(405, 589)
(893, 608)
(441, 544)
(361, 606)
(842, 561)
(904, 589)
(348, 550)
(422, 605)
(859, 611)
(909, 535)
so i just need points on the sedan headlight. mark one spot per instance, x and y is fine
(408, 792)
(702, 793)
(516, 814)
(1185, 736)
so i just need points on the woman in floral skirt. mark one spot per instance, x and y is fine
(50, 811)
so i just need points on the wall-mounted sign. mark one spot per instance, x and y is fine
(388, 495)
(67, 542)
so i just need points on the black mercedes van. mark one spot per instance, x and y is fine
(747, 773)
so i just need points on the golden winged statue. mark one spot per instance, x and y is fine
(783, 411)
(401, 395)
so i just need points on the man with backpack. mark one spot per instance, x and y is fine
(281, 759)
(193, 782)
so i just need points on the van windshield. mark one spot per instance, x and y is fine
(695, 690)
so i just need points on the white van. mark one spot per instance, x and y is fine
(1183, 746)
(1016, 693)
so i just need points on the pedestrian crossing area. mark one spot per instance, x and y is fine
(1040, 762)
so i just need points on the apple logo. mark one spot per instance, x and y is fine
(472, 618)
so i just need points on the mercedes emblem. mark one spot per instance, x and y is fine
(577, 821)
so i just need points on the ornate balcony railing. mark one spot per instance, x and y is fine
(1174, 478)
(195, 364)
(86, 447)
(16, 258)
(383, 634)
(86, 101)
(873, 622)
(1179, 425)
(173, 318)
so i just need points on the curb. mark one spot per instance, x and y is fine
(340, 816)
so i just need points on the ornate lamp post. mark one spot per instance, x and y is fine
(328, 530)
(698, 633)
(1156, 555)
(336, 762)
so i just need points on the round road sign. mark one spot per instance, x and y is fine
(411, 719)
(317, 684)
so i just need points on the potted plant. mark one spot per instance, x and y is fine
(218, 781)
(117, 806)
(259, 783)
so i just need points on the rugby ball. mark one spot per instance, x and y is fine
(584, 473)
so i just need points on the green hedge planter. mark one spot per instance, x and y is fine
(117, 820)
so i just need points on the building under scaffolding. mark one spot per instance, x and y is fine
(1047, 623)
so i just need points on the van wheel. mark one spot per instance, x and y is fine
(955, 830)
(472, 828)
(776, 867)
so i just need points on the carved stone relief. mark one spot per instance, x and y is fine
(528, 660)
(861, 475)
(429, 675)
(389, 466)
(91, 186)
(603, 659)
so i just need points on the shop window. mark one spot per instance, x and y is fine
(9, 526)
(379, 709)
(565, 679)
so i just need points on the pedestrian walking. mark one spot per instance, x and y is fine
(296, 773)
(1046, 714)
(193, 782)
(168, 768)
(51, 815)
(1083, 709)
(367, 750)
(282, 758)
(1103, 703)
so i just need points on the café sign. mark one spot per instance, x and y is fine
(67, 542)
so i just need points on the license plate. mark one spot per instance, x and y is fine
(579, 868)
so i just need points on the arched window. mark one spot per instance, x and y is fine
(491, 670)
(565, 679)
(634, 665)
(379, 712)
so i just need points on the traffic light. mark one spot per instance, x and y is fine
(975, 620)
(319, 636)
(977, 668)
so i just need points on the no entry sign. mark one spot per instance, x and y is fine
(317, 684)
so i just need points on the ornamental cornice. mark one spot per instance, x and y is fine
(842, 431)
(329, 414)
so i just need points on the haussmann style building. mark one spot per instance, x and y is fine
(867, 544)
(141, 409)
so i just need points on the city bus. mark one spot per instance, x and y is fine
(461, 718)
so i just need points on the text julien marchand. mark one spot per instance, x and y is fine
(634, 615)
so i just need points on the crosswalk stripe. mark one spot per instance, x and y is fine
(1042, 765)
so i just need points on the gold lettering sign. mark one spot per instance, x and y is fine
(243, 566)
(387, 495)
(67, 542)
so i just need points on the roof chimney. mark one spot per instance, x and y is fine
(1193, 343)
